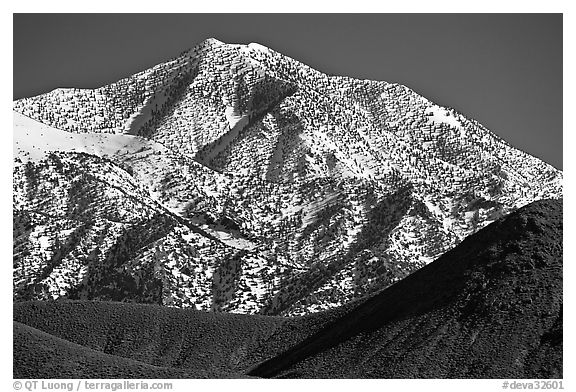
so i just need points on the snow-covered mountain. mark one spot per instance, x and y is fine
(234, 178)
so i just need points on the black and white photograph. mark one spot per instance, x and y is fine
(287, 196)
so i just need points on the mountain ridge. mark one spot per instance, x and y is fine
(308, 190)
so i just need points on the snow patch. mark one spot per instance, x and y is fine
(258, 47)
(33, 141)
(235, 119)
(230, 238)
(442, 116)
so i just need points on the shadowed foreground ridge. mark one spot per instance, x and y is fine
(489, 308)
(41, 355)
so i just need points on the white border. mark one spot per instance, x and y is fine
(356, 6)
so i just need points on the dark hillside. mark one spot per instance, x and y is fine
(172, 337)
(156, 335)
(41, 355)
(490, 308)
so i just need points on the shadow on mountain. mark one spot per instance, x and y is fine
(111, 280)
(286, 146)
(175, 93)
(264, 100)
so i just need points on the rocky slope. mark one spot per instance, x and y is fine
(235, 178)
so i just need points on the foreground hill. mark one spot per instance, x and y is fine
(490, 308)
(257, 184)
(41, 355)
(185, 339)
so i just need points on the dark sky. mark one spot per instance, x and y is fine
(504, 70)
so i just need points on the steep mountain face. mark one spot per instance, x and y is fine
(489, 308)
(235, 178)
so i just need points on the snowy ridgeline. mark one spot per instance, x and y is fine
(234, 178)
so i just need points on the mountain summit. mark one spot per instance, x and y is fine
(234, 178)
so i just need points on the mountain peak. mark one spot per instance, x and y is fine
(212, 41)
